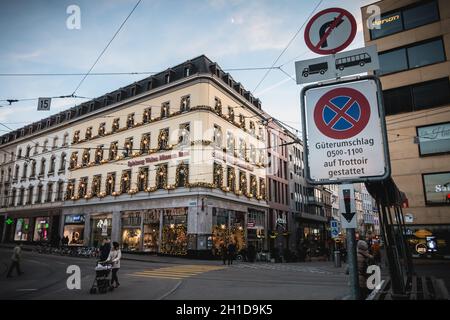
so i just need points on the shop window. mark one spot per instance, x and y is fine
(161, 176)
(243, 182)
(110, 183)
(96, 185)
(62, 166)
(183, 138)
(253, 185)
(185, 104)
(130, 121)
(128, 147)
(217, 105)
(101, 229)
(165, 110)
(145, 143)
(231, 179)
(163, 138)
(131, 231)
(182, 175)
(113, 150)
(437, 188)
(434, 139)
(174, 233)
(147, 116)
(88, 133)
(217, 138)
(82, 187)
(99, 154)
(125, 181)
(151, 230)
(218, 175)
(23, 230)
(102, 129)
(231, 114)
(76, 137)
(115, 125)
(86, 157)
(73, 160)
(74, 230)
(143, 179)
(230, 143)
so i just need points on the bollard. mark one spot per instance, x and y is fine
(337, 259)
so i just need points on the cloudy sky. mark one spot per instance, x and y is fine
(159, 34)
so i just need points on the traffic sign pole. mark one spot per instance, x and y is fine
(352, 264)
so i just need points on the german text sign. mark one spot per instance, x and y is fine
(345, 132)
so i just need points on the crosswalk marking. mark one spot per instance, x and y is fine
(176, 272)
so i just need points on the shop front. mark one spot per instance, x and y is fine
(131, 231)
(228, 227)
(428, 241)
(313, 237)
(73, 231)
(101, 228)
(35, 227)
(151, 224)
(23, 230)
(41, 229)
(174, 239)
(256, 230)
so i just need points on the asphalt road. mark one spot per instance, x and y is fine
(45, 278)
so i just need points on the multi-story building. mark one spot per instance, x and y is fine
(413, 42)
(170, 164)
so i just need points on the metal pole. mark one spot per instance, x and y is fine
(352, 264)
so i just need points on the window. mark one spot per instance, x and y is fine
(86, 157)
(128, 148)
(60, 191)
(19, 153)
(252, 128)
(183, 138)
(242, 148)
(392, 61)
(419, 14)
(437, 188)
(62, 166)
(33, 169)
(434, 139)
(52, 165)
(110, 183)
(147, 116)
(96, 185)
(218, 175)
(65, 139)
(185, 104)
(130, 120)
(16, 172)
(187, 71)
(231, 179)
(253, 185)
(145, 143)
(217, 105)
(30, 195)
(262, 188)
(27, 155)
(88, 134)
(182, 175)
(113, 149)
(242, 121)
(55, 143)
(426, 53)
(13, 197)
(230, 143)
(76, 137)
(161, 176)
(143, 179)
(165, 110)
(21, 196)
(99, 154)
(115, 125)
(417, 97)
(82, 187)
(102, 129)
(49, 192)
(45, 147)
(73, 160)
(243, 182)
(36, 148)
(125, 181)
(217, 139)
(252, 154)
(163, 138)
(231, 114)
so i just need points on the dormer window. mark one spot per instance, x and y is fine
(118, 97)
(133, 91)
(187, 71)
(167, 78)
(185, 103)
(147, 115)
(130, 120)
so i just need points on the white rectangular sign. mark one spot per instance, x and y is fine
(347, 208)
(344, 133)
(334, 66)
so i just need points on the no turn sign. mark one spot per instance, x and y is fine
(345, 136)
(330, 31)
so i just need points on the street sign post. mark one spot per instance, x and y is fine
(345, 136)
(334, 226)
(330, 31)
(337, 65)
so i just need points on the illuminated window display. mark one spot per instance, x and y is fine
(174, 233)
(131, 239)
(228, 226)
(151, 230)
(23, 230)
(41, 229)
(74, 230)
(101, 228)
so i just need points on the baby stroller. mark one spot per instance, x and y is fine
(102, 281)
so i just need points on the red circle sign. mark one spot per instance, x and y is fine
(342, 113)
(325, 26)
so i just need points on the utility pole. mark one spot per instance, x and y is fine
(348, 214)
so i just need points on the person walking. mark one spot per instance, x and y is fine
(224, 252)
(15, 261)
(105, 248)
(114, 257)
(231, 252)
(364, 259)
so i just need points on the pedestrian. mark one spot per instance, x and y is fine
(105, 249)
(251, 253)
(231, 252)
(224, 252)
(15, 260)
(364, 259)
(114, 257)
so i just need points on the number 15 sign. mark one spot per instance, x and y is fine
(44, 104)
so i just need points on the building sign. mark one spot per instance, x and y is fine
(77, 218)
(437, 188)
(345, 136)
(162, 157)
(434, 139)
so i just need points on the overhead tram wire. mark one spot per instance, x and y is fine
(288, 45)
